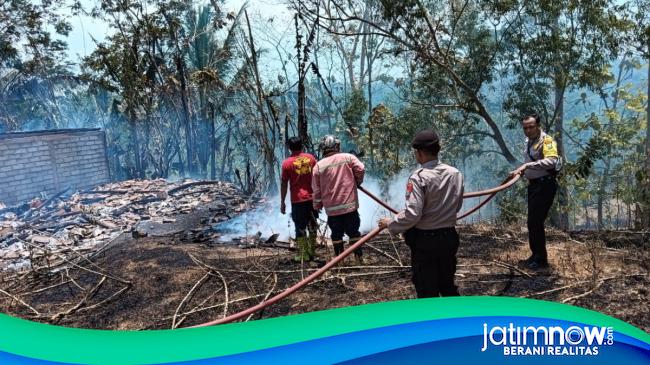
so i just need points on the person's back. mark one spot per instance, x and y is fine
(338, 176)
(434, 194)
(297, 170)
(296, 176)
(443, 185)
(335, 182)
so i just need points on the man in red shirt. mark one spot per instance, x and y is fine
(296, 174)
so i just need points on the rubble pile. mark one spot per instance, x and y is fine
(85, 221)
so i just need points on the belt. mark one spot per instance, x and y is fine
(542, 179)
(433, 232)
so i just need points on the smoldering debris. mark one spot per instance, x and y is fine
(85, 221)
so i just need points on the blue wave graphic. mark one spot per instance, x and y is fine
(457, 340)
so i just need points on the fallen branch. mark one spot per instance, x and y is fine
(188, 296)
(508, 266)
(46, 288)
(180, 321)
(89, 295)
(383, 253)
(211, 270)
(268, 294)
(583, 294)
(171, 192)
(225, 290)
(106, 300)
(20, 301)
(99, 273)
(582, 282)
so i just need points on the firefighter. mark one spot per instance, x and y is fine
(434, 194)
(296, 174)
(541, 165)
(335, 180)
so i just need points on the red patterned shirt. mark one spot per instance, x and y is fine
(297, 170)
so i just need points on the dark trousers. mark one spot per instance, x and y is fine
(541, 193)
(433, 261)
(347, 224)
(304, 217)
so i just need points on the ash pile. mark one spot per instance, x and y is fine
(84, 222)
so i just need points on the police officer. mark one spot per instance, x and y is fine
(434, 194)
(541, 164)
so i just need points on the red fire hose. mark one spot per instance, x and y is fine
(491, 192)
(370, 235)
(296, 286)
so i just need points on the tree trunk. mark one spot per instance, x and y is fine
(602, 189)
(367, 54)
(645, 204)
(286, 134)
(137, 158)
(604, 180)
(213, 146)
(303, 132)
(496, 132)
(187, 121)
(269, 153)
(224, 155)
(562, 218)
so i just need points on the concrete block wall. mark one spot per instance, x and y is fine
(50, 161)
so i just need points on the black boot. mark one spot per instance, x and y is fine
(338, 248)
(527, 261)
(538, 264)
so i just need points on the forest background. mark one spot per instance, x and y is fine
(213, 89)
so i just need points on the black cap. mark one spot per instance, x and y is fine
(425, 139)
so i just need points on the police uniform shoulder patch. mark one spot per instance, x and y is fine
(550, 147)
(409, 189)
(409, 184)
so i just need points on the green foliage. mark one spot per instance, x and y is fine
(512, 205)
(25, 41)
(167, 74)
(354, 110)
(383, 142)
(582, 168)
(558, 46)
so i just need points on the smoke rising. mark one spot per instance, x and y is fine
(268, 220)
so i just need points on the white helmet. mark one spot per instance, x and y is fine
(329, 143)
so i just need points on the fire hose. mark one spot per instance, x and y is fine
(370, 235)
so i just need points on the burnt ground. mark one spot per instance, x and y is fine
(163, 282)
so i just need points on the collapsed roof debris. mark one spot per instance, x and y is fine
(87, 220)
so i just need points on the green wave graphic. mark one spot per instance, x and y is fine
(54, 343)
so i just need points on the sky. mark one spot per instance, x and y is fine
(85, 29)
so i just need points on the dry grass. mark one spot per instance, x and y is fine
(157, 282)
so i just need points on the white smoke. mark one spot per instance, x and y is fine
(266, 220)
